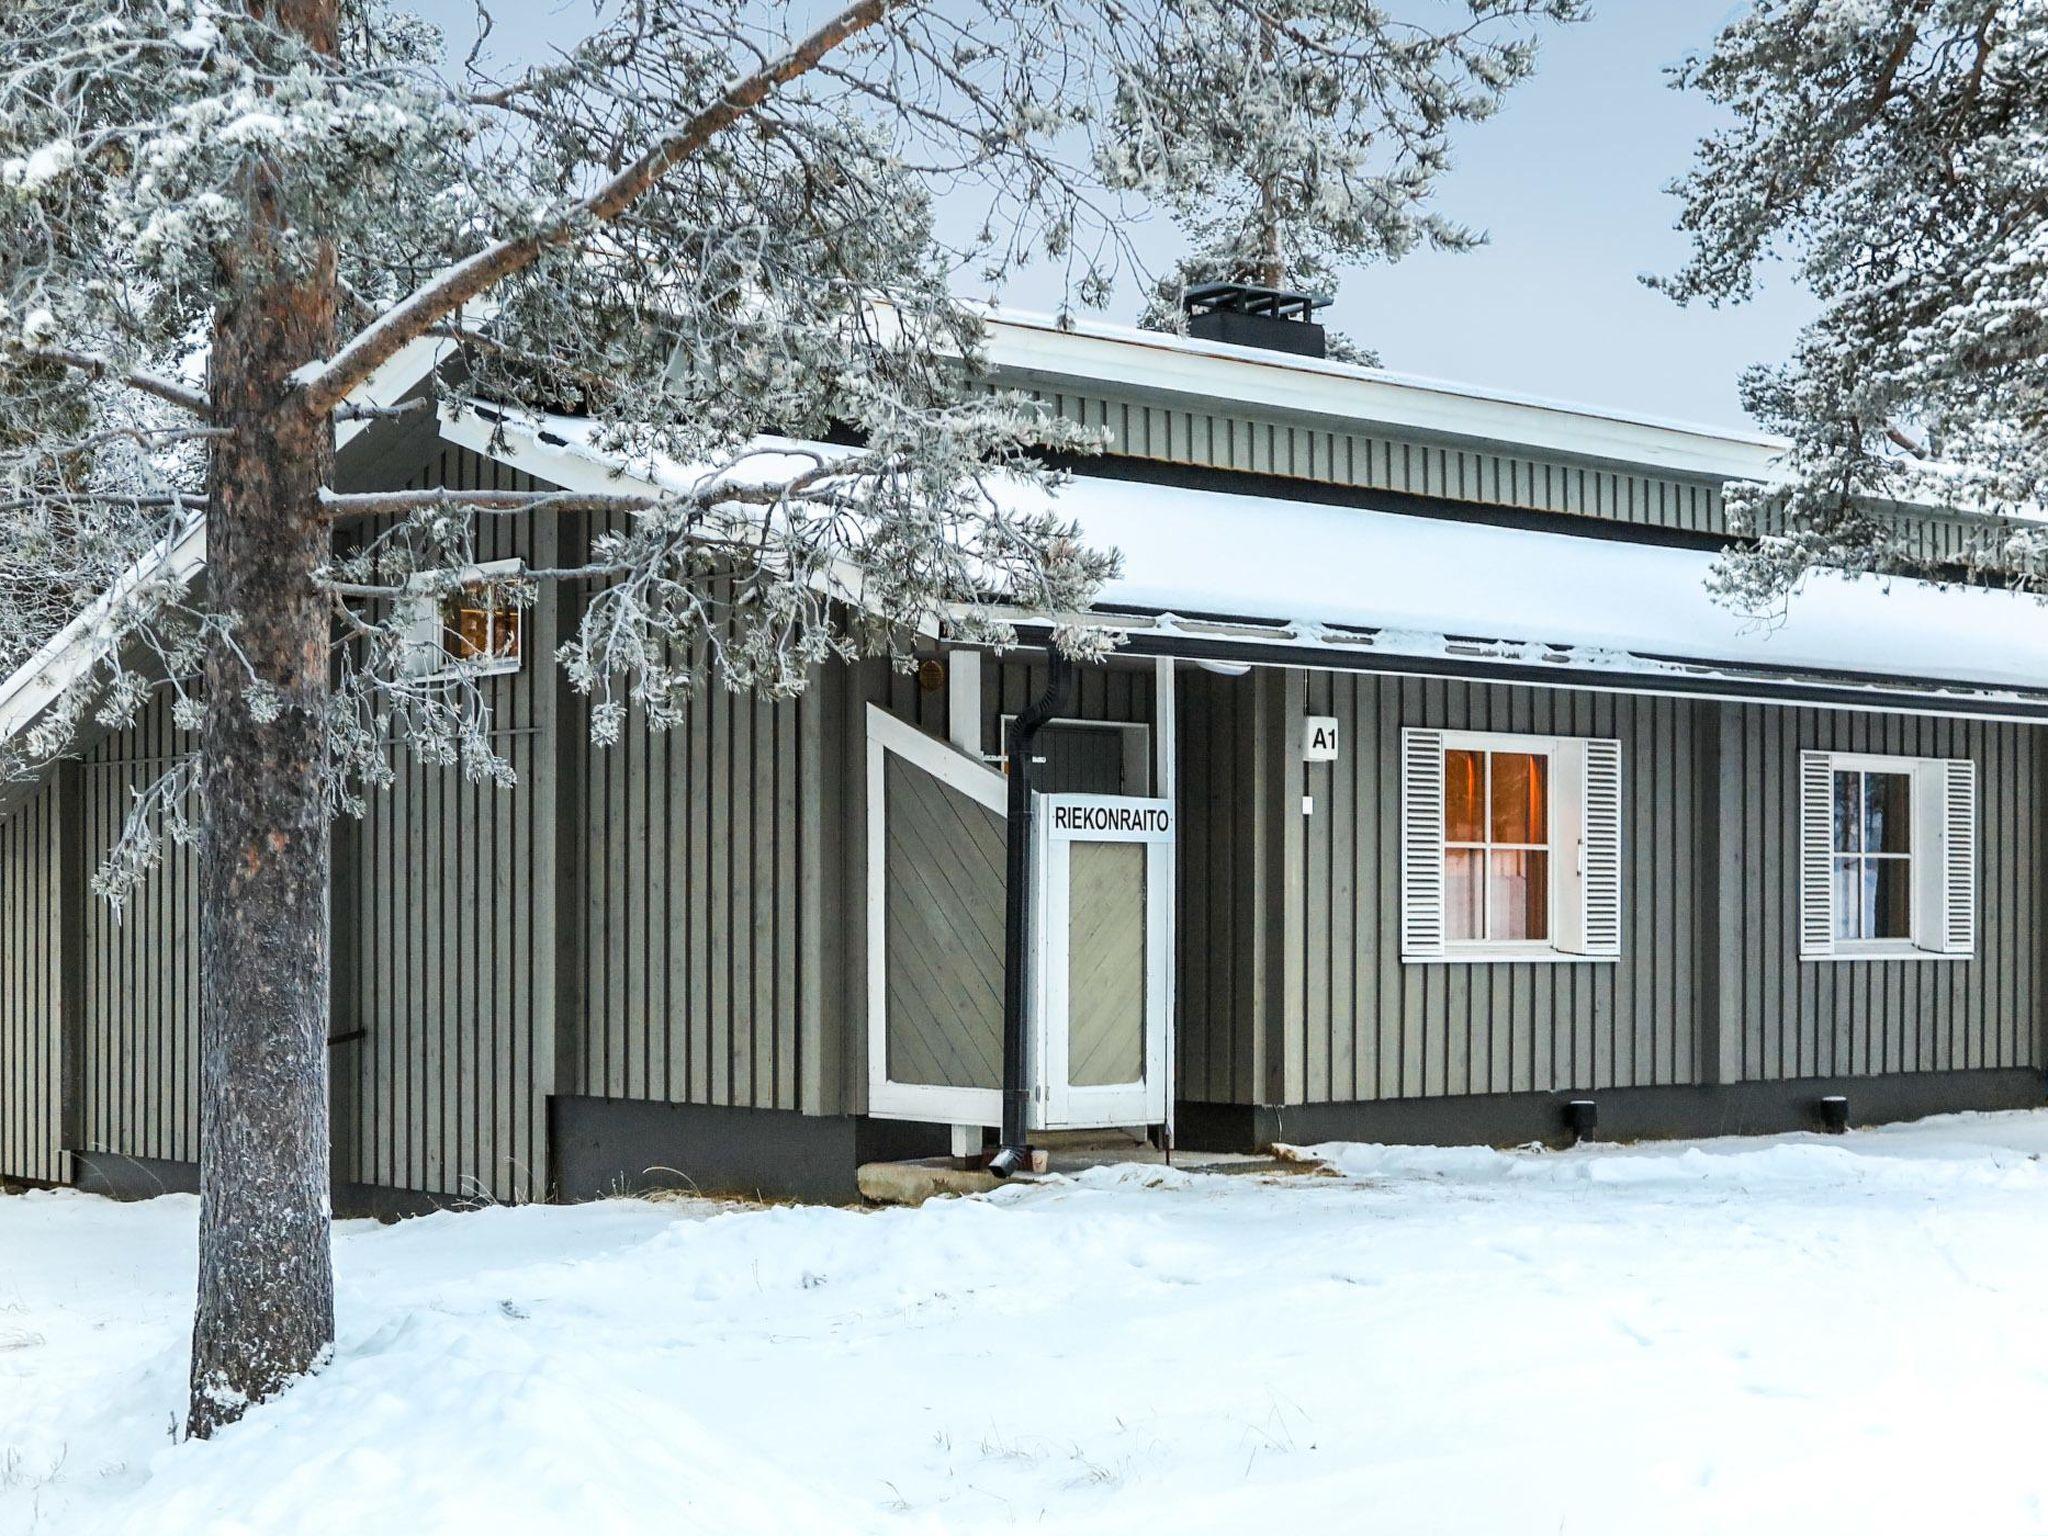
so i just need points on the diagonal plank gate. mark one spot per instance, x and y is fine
(1099, 1052)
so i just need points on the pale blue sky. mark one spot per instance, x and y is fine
(1567, 180)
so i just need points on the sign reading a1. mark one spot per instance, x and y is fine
(1319, 739)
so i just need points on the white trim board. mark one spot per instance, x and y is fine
(71, 652)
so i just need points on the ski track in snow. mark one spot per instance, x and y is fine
(1763, 1335)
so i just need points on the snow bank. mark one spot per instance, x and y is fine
(1718, 1336)
(1936, 1156)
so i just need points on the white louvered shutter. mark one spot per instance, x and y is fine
(1816, 850)
(1600, 882)
(1422, 845)
(1959, 858)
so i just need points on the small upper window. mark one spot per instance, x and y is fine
(474, 630)
(478, 627)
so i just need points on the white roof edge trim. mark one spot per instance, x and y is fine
(1158, 360)
(71, 652)
(1595, 671)
(399, 375)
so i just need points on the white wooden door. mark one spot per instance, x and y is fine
(1102, 940)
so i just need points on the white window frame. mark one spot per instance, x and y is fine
(1487, 743)
(1936, 880)
(1576, 935)
(428, 658)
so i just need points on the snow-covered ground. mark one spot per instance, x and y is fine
(1760, 1336)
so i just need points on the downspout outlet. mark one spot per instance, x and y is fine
(1007, 1161)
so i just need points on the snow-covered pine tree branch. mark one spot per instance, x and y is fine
(1890, 152)
(339, 507)
(444, 294)
(167, 390)
(702, 242)
(1353, 109)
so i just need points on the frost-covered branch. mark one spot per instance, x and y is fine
(1344, 136)
(446, 293)
(166, 390)
(340, 507)
(1891, 152)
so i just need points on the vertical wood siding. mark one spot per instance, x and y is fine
(696, 905)
(1271, 445)
(1117, 691)
(1371, 1027)
(1788, 1018)
(442, 1042)
(1109, 691)
(1709, 986)
(31, 1043)
(140, 1014)
(1341, 1016)
(1219, 812)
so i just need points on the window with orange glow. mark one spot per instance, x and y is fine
(475, 628)
(1496, 846)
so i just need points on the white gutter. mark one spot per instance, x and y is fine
(1412, 653)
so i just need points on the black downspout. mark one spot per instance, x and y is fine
(1015, 1151)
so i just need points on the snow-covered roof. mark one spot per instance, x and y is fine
(1260, 571)
(1435, 586)
(1326, 578)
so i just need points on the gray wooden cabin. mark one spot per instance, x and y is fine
(1443, 855)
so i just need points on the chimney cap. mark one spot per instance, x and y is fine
(1252, 299)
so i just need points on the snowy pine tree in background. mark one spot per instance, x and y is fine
(705, 221)
(1895, 152)
(1337, 138)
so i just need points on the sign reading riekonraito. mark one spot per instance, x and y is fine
(1137, 818)
(1319, 739)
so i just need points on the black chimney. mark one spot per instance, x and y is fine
(1249, 316)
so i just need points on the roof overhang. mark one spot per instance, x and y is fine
(1277, 581)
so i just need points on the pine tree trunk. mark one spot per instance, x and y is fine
(266, 1282)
